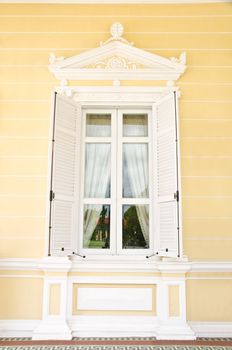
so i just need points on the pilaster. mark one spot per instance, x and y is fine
(54, 321)
(171, 305)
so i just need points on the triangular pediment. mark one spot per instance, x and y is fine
(117, 59)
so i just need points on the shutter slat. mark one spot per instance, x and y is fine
(167, 176)
(64, 175)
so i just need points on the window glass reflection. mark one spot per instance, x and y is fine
(135, 125)
(135, 227)
(98, 125)
(96, 226)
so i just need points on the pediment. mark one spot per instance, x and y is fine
(117, 59)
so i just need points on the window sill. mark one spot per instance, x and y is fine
(128, 264)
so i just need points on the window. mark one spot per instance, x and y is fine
(115, 198)
(114, 179)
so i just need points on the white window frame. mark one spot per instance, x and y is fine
(116, 201)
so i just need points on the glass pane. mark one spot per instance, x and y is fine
(135, 170)
(97, 170)
(98, 125)
(135, 125)
(96, 226)
(135, 227)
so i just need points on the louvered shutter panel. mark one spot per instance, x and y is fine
(64, 177)
(167, 172)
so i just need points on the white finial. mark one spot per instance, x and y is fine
(116, 30)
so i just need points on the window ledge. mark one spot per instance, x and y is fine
(129, 264)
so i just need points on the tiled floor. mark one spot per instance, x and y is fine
(116, 344)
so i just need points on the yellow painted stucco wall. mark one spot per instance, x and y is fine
(28, 33)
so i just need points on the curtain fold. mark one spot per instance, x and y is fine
(136, 166)
(97, 184)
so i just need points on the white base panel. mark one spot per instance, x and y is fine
(17, 328)
(52, 330)
(212, 329)
(175, 332)
(113, 326)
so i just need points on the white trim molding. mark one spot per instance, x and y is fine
(117, 59)
(113, 264)
(17, 328)
(212, 329)
(114, 326)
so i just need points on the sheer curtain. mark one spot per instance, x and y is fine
(97, 184)
(136, 161)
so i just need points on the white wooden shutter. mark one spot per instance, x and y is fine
(64, 176)
(167, 172)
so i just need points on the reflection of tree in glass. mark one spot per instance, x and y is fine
(132, 233)
(101, 237)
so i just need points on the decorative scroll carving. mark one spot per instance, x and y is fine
(115, 62)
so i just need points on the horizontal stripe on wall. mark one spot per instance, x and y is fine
(131, 25)
(213, 75)
(189, 93)
(177, 41)
(22, 226)
(117, 10)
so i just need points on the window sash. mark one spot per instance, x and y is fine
(116, 201)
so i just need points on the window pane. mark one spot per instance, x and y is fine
(135, 125)
(98, 125)
(96, 226)
(97, 170)
(135, 170)
(135, 227)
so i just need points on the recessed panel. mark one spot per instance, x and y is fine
(137, 299)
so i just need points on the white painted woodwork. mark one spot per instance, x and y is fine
(64, 175)
(137, 299)
(166, 178)
(114, 326)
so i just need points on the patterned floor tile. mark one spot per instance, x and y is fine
(114, 347)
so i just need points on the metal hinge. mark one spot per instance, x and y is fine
(176, 196)
(51, 196)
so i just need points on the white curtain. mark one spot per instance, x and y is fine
(136, 163)
(97, 181)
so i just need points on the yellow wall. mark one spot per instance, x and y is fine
(28, 33)
(21, 298)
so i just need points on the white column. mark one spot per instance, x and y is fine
(54, 320)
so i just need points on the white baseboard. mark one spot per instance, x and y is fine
(212, 329)
(113, 326)
(17, 328)
(52, 330)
